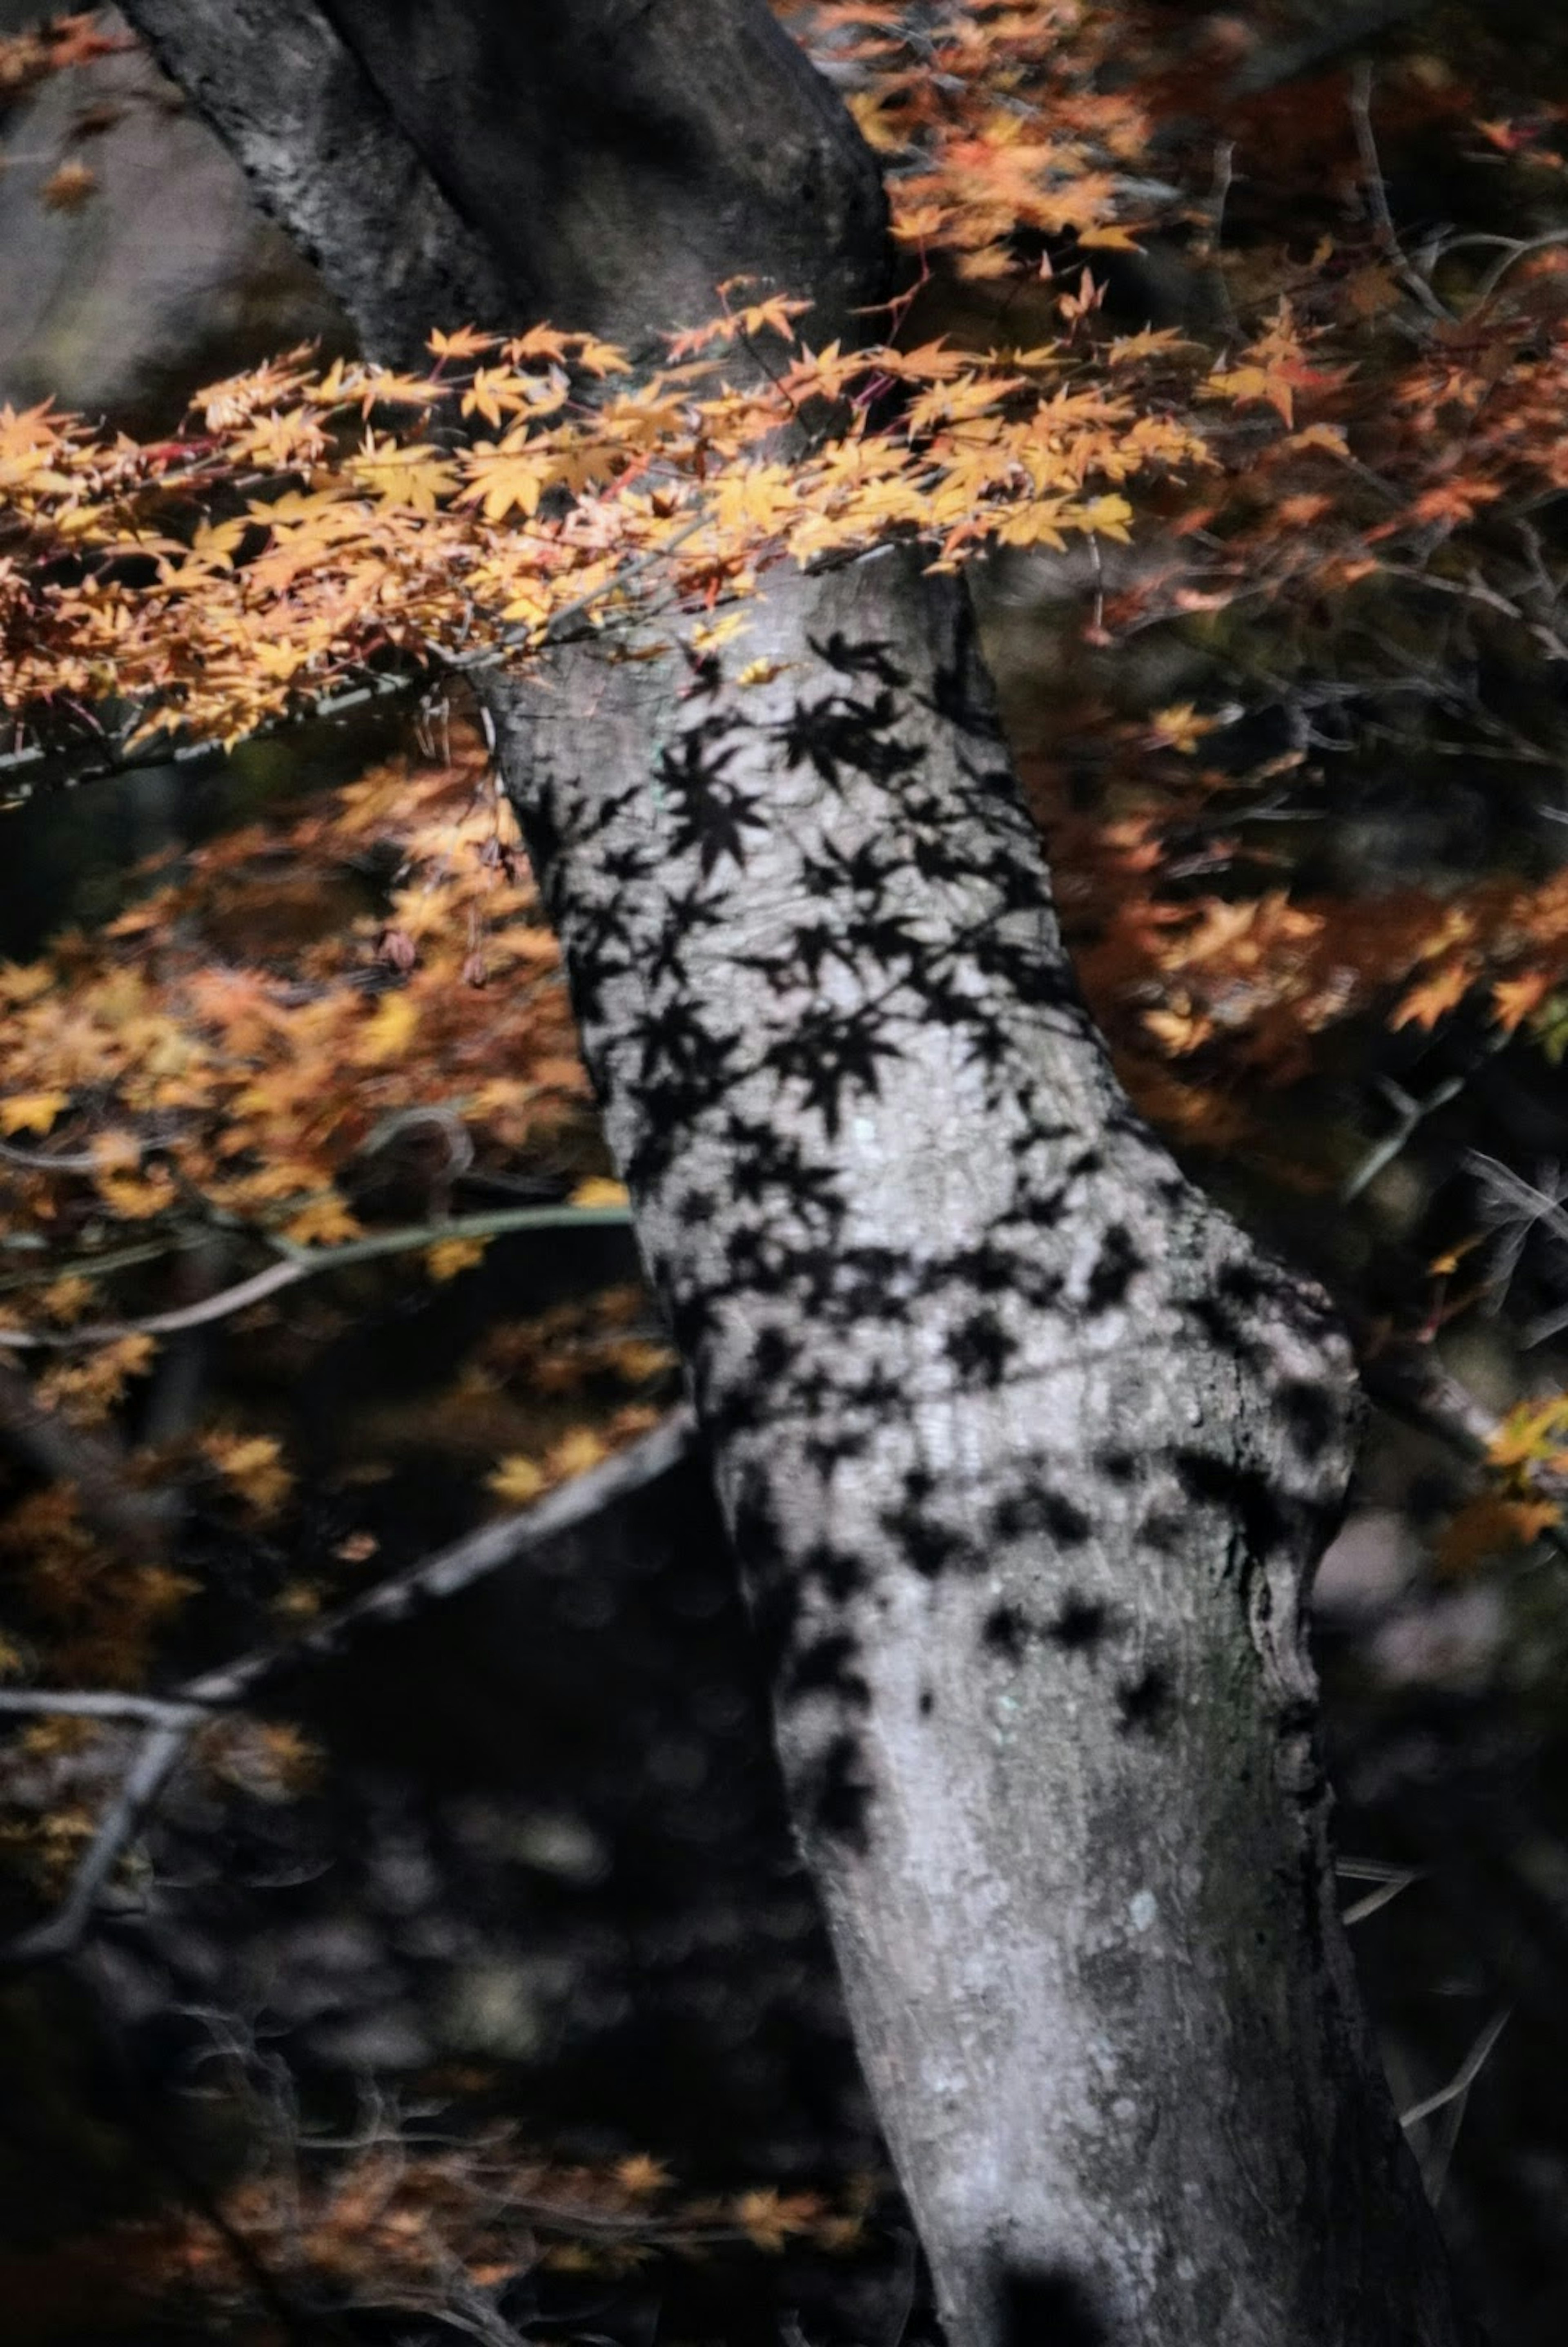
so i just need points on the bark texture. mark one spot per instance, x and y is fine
(605, 164)
(1025, 1453)
(1027, 1456)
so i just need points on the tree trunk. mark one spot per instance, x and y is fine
(1026, 1453)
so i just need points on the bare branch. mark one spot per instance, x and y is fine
(461, 1566)
(171, 1721)
(300, 1262)
(114, 1708)
(1377, 194)
(155, 1761)
(1454, 2097)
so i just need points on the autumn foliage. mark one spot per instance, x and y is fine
(1283, 475)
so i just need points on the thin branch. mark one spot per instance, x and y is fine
(1409, 1379)
(1465, 2076)
(1454, 2097)
(116, 1709)
(300, 1262)
(24, 769)
(171, 1721)
(153, 1763)
(456, 1568)
(1520, 249)
(1377, 194)
(1410, 1112)
(169, 751)
(1389, 1880)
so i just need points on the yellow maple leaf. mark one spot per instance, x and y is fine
(1179, 728)
(387, 1031)
(464, 343)
(252, 1464)
(516, 1479)
(32, 1112)
(1529, 1432)
(639, 2174)
(575, 1453)
(1425, 1004)
(449, 1256)
(598, 1192)
(323, 1222)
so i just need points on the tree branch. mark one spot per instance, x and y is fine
(302, 1264)
(170, 1721)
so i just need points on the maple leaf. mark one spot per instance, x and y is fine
(1180, 728)
(387, 1031)
(1532, 1433)
(325, 1222)
(1424, 1004)
(448, 1257)
(598, 1192)
(575, 1453)
(253, 1465)
(1454, 501)
(32, 1112)
(640, 2175)
(1490, 1525)
(462, 342)
(1513, 999)
(516, 1479)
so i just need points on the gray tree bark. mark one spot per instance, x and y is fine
(1026, 1453)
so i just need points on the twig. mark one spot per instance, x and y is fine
(172, 1720)
(1465, 2076)
(1521, 248)
(1377, 194)
(1410, 1112)
(168, 750)
(1456, 2094)
(153, 1763)
(300, 1262)
(63, 1703)
(1389, 1880)
(461, 1566)
(1409, 1379)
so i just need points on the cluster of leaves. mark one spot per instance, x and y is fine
(56, 42)
(322, 1044)
(290, 541)
(1000, 127)
(440, 2225)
